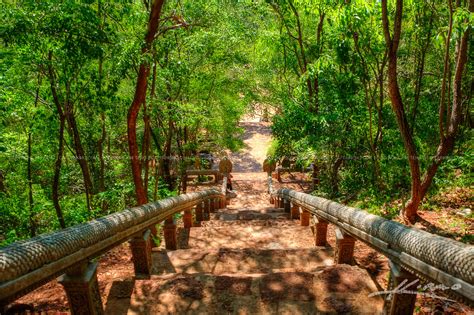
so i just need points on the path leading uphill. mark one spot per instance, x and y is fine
(257, 138)
(247, 258)
(250, 257)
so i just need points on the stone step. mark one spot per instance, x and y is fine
(333, 290)
(262, 217)
(249, 260)
(247, 215)
(289, 235)
(255, 222)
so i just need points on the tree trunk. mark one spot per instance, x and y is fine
(334, 176)
(410, 212)
(68, 114)
(57, 174)
(146, 146)
(3, 189)
(33, 225)
(420, 72)
(80, 153)
(100, 150)
(419, 188)
(166, 171)
(138, 100)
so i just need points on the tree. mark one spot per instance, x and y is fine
(139, 100)
(419, 184)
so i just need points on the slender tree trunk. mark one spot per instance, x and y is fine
(419, 188)
(80, 153)
(334, 176)
(138, 100)
(100, 150)
(316, 78)
(57, 174)
(146, 146)
(3, 189)
(167, 156)
(410, 211)
(67, 112)
(447, 142)
(147, 137)
(420, 74)
(33, 225)
(445, 73)
(103, 137)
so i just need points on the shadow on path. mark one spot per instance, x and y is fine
(256, 138)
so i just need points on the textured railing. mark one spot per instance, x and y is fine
(428, 256)
(28, 264)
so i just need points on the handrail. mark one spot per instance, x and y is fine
(216, 173)
(429, 256)
(25, 265)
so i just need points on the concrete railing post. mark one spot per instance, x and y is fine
(188, 219)
(295, 211)
(321, 231)
(212, 205)
(304, 217)
(401, 280)
(217, 204)
(82, 289)
(141, 253)
(344, 248)
(198, 212)
(169, 231)
(207, 209)
(287, 205)
(185, 182)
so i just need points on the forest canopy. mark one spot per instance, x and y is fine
(98, 99)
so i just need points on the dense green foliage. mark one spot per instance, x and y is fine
(89, 53)
(352, 134)
(318, 66)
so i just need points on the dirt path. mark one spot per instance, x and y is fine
(115, 271)
(257, 138)
(249, 181)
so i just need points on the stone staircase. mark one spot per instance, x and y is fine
(247, 261)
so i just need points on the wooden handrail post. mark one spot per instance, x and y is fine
(344, 248)
(198, 212)
(82, 289)
(141, 253)
(169, 231)
(398, 303)
(304, 217)
(321, 231)
(188, 219)
(295, 211)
